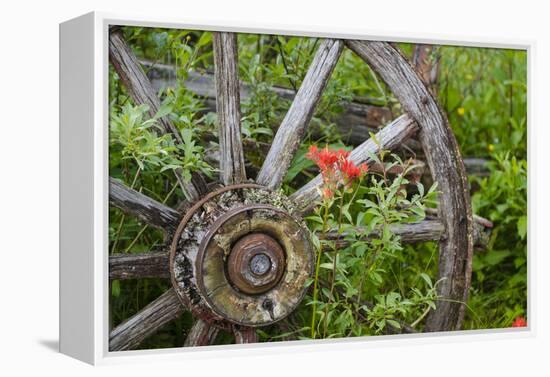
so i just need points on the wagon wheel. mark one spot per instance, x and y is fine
(239, 254)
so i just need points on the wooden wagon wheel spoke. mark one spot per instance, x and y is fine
(244, 335)
(135, 329)
(139, 266)
(445, 162)
(232, 169)
(201, 334)
(390, 137)
(426, 230)
(140, 89)
(141, 206)
(290, 132)
(423, 231)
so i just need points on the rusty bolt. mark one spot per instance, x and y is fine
(256, 263)
(260, 264)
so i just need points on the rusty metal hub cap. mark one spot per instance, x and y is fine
(256, 263)
(241, 255)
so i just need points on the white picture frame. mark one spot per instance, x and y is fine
(84, 191)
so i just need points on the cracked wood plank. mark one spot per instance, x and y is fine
(141, 206)
(139, 266)
(232, 169)
(130, 333)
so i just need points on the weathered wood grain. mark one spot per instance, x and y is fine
(130, 333)
(391, 136)
(290, 132)
(141, 206)
(140, 89)
(232, 169)
(425, 230)
(201, 334)
(139, 266)
(245, 335)
(445, 162)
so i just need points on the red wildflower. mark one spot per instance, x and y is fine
(313, 152)
(351, 171)
(327, 192)
(519, 322)
(335, 168)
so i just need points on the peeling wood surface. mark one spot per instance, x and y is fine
(141, 206)
(390, 137)
(140, 89)
(130, 333)
(201, 334)
(290, 132)
(139, 266)
(445, 162)
(228, 104)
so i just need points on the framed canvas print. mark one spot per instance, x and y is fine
(226, 185)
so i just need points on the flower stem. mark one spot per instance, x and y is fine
(317, 267)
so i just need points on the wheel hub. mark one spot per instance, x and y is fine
(256, 263)
(241, 255)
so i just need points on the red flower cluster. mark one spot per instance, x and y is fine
(519, 322)
(335, 168)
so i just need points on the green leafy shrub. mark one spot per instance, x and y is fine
(500, 273)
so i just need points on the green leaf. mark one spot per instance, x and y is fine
(522, 227)
(115, 288)
(299, 163)
(165, 109)
(427, 279)
(494, 257)
(394, 323)
(420, 187)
